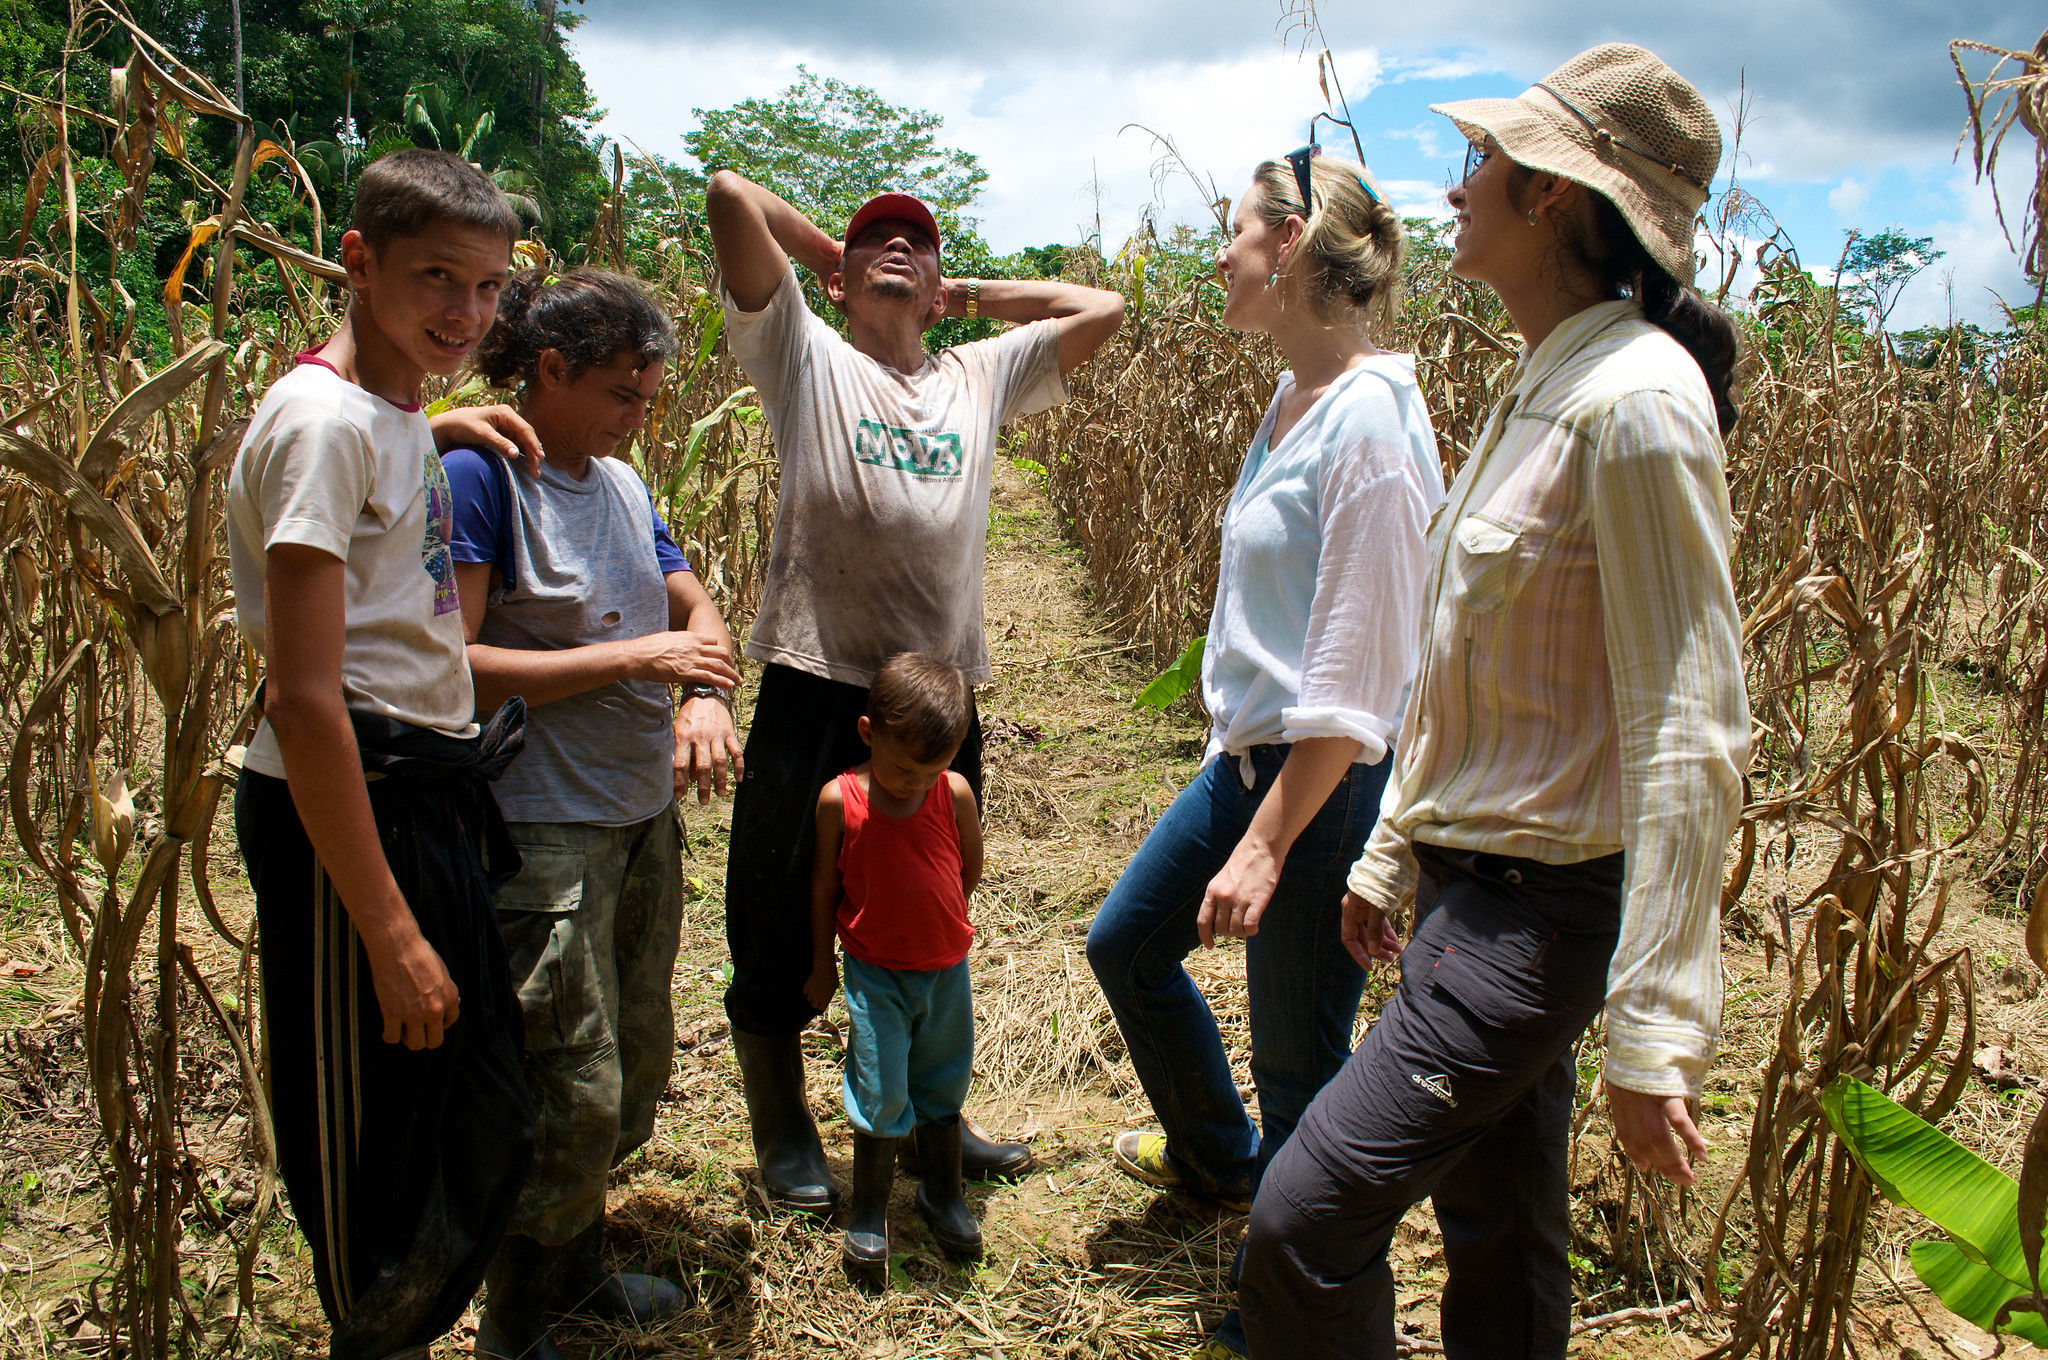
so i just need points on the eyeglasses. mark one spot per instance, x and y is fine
(1300, 157)
(1476, 155)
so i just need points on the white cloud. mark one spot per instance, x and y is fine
(1848, 197)
(1978, 269)
(1043, 130)
(1429, 138)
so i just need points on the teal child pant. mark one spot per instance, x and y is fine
(910, 1046)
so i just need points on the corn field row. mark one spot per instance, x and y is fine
(1890, 543)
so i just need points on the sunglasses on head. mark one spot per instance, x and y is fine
(1300, 157)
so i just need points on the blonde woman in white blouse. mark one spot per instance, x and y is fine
(1570, 765)
(1310, 647)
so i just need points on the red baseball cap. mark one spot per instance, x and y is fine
(902, 208)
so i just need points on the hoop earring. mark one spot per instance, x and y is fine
(1532, 217)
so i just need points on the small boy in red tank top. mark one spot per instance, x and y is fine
(899, 850)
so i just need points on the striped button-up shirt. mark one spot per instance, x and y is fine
(1580, 688)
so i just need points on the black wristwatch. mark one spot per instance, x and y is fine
(724, 696)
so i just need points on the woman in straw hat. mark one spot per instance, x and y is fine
(1571, 760)
(1311, 646)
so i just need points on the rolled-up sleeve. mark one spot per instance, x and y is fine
(1385, 874)
(1674, 654)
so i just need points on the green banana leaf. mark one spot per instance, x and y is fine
(1170, 684)
(1972, 1291)
(1918, 1166)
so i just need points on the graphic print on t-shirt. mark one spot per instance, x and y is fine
(912, 451)
(434, 543)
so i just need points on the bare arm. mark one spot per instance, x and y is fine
(1238, 895)
(824, 978)
(1087, 316)
(754, 232)
(498, 428)
(967, 817)
(707, 742)
(675, 658)
(302, 599)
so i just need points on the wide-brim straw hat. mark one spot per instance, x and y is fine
(1618, 120)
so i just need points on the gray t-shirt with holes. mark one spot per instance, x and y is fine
(576, 563)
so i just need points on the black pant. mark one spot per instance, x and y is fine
(804, 734)
(402, 1167)
(1461, 1092)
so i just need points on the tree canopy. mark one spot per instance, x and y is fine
(828, 146)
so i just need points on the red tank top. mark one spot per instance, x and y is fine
(901, 904)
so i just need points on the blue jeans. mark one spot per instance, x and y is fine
(1304, 988)
(909, 1046)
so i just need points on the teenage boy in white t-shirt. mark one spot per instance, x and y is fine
(403, 1121)
(880, 527)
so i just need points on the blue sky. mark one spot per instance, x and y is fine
(1853, 106)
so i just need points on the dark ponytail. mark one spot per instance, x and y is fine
(590, 315)
(1618, 260)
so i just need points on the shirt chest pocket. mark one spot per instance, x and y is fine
(1489, 562)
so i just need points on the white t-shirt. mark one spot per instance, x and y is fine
(328, 465)
(882, 525)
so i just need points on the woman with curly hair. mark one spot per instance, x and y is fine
(575, 597)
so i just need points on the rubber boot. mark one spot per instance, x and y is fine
(585, 1289)
(518, 1287)
(939, 1200)
(981, 1159)
(865, 1249)
(786, 1145)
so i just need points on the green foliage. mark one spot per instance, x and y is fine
(1981, 1267)
(1881, 266)
(1175, 681)
(828, 146)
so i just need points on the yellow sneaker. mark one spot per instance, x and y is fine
(1141, 1155)
(1215, 1349)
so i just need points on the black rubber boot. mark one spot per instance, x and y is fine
(865, 1250)
(786, 1145)
(517, 1290)
(939, 1200)
(980, 1158)
(586, 1289)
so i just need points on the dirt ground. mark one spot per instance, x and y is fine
(1081, 1261)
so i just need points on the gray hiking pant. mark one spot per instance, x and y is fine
(1461, 1093)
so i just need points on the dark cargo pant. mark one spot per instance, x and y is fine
(1461, 1092)
(591, 923)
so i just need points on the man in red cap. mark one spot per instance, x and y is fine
(880, 536)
